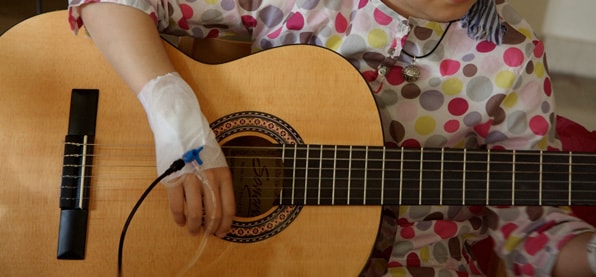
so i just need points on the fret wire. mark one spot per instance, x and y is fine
(365, 174)
(420, 176)
(283, 159)
(540, 181)
(401, 176)
(487, 176)
(349, 173)
(320, 173)
(306, 172)
(463, 192)
(569, 173)
(294, 173)
(513, 178)
(334, 171)
(383, 178)
(441, 176)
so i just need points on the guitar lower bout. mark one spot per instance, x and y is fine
(308, 87)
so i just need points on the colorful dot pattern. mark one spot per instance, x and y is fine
(470, 94)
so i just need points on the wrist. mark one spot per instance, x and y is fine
(177, 123)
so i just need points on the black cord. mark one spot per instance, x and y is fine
(175, 166)
(434, 48)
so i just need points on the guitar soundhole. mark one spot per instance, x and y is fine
(257, 172)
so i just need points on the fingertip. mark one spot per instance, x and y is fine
(195, 220)
(194, 227)
(194, 232)
(211, 223)
(221, 235)
(225, 227)
(180, 220)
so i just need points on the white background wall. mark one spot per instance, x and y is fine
(568, 28)
(574, 19)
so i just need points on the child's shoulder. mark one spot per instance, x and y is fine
(516, 24)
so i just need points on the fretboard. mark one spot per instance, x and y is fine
(360, 175)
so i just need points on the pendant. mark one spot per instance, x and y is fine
(411, 73)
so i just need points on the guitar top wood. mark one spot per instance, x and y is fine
(319, 94)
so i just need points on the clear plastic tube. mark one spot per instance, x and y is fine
(207, 188)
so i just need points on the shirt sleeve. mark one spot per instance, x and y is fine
(198, 19)
(76, 21)
(528, 239)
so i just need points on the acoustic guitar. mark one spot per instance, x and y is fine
(303, 138)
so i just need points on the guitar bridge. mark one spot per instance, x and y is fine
(76, 174)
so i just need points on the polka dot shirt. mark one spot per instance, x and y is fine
(471, 93)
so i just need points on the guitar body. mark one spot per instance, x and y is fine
(318, 94)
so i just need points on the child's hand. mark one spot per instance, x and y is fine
(179, 126)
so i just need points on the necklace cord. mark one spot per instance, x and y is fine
(434, 48)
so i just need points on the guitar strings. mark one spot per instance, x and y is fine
(410, 194)
(107, 175)
(503, 200)
(148, 151)
(109, 155)
(144, 161)
(110, 160)
(434, 178)
(353, 148)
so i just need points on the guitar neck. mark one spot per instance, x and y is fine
(361, 175)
